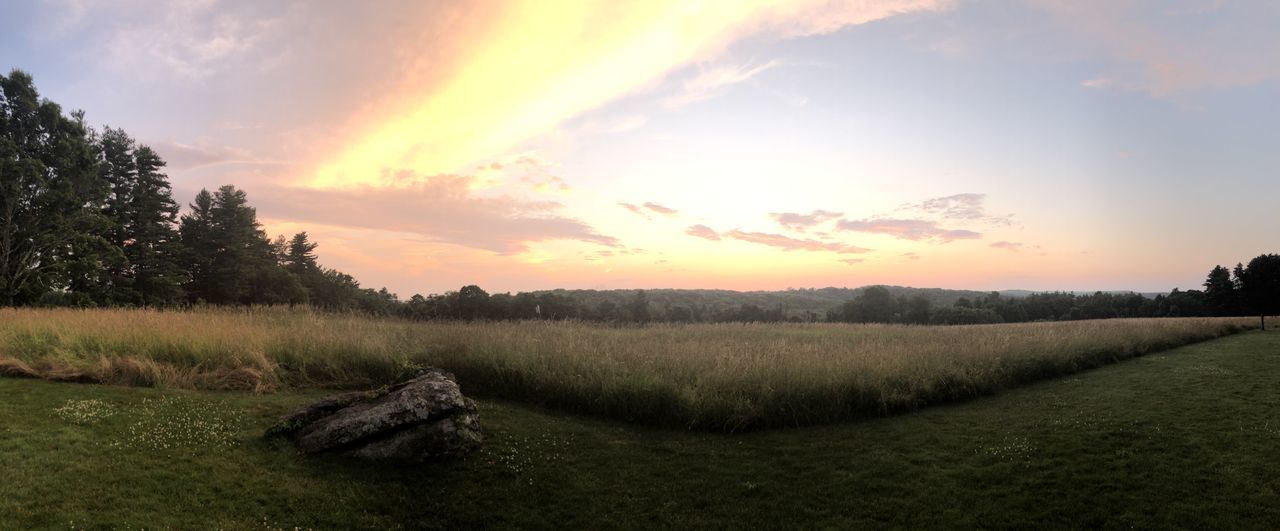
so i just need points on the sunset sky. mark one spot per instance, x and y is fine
(742, 144)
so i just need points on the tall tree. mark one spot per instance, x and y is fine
(1261, 283)
(300, 256)
(230, 259)
(119, 172)
(153, 248)
(50, 196)
(195, 231)
(1220, 293)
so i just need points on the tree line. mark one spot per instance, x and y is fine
(1252, 289)
(87, 218)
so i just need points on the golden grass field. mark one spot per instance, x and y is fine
(708, 376)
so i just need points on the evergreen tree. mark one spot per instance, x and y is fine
(1221, 297)
(119, 173)
(300, 257)
(196, 233)
(153, 248)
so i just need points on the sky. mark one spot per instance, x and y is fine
(737, 144)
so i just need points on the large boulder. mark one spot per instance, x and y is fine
(416, 420)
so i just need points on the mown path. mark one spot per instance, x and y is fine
(1184, 438)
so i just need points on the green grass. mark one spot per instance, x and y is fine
(1186, 438)
(719, 377)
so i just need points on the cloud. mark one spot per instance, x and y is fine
(962, 207)
(1097, 83)
(908, 229)
(713, 82)
(636, 209)
(1170, 49)
(1008, 246)
(911, 256)
(800, 222)
(853, 261)
(441, 208)
(787, 243)
(959, 206)
(185, 40)
(648, 208)
(702, 231)
(661, 209)
(546, 183)
(518, 76)
(180, 156)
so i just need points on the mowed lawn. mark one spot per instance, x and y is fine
(1188, 437)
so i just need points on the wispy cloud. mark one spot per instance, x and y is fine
(1169, 52)
(969, 207)
(787, 243)
(702, 231)
(713, 82)
(537, 73)
(650, 208)
(442, 208)
(187, 40)
(185, 157)
(1008, 246)
(908, 229)
(800, 222)
(666, 211)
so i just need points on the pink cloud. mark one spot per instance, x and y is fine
(790, 244)
(661, 209)
(800, 222)
(703, 231)
(442, 208)
(908, 229)
(1008, 246)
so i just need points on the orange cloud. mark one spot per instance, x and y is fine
(537, 65)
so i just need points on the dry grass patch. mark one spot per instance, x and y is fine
(710, 376)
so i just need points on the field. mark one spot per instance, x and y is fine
(725, 377)
(1180, 439)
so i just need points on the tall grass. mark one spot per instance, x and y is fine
(713, 376)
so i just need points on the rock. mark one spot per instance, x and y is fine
(416, 420)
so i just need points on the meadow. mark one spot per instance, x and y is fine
(1182, 439)
(721, 377)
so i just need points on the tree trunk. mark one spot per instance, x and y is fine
(1263, 319)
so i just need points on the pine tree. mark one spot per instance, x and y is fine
(1220, 293)
(300, 256)
(153, 246)
(242, 247)
(195, 231)
(230, 259)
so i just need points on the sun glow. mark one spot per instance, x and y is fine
(537, 66)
